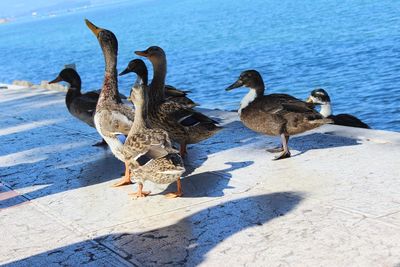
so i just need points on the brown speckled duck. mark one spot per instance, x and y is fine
(112, 119)
(320, 97)
(184, 125)
(274, 114)
(148, 151)
(171, 93)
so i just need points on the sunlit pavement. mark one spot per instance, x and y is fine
(336, 202)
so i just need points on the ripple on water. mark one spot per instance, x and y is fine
(349, 48)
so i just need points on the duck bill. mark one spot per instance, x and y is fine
(125, 71)
(96, 30)
(56, 80)
(236, 84)
(309, 100)
(142, 53)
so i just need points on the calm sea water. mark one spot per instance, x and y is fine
(350, 48)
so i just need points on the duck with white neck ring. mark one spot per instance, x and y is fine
(148, 150)
(320, 97)
(274, 114)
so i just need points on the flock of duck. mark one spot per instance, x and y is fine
(141, 137)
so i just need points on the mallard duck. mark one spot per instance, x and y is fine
(112, 119)
(171, 93)
(320, 97)
(274, 114)
(81, 106)
(184, 125)
(148, 151)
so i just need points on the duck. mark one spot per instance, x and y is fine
(112, 119)
(320, 97)
(274, 114)
(81, 106)
(171, 93)
(148, 151)
(183, 124)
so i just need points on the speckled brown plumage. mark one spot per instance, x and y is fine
(184, 125)
(167, 115)
(113, 120)
(179, 96)
(147, 149)
(155, 144)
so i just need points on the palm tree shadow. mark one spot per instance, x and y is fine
(186, 242)
(209, 183)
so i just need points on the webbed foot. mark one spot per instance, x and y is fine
(126, 179)
(178, 193)
(174, 195)
(139, 194)
(284, 155)
(275, 149)
(123, 181)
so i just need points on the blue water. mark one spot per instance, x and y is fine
(350, 48)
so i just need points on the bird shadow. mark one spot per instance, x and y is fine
(233, 135)
(315, 141)
(188, 242)
(209, 183)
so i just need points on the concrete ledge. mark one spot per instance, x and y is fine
(336, 202)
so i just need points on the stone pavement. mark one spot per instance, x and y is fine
(336, 202)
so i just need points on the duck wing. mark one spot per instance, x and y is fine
(172, 91)
(115, 122)
(146, 146)
(83, 105)
(184, 115)
(283, 103)
(92, 96)
(180, 96)
(188, 117)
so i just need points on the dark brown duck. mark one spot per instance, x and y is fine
(81, 106)
(275, 114)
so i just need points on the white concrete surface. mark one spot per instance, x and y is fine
(336, 202)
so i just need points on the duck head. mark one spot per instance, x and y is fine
(158, 59)
(249, 78)
(252, 80)
(319, 97)
(139, 67)
(70, 76)
(153, 53)
(108, 43)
